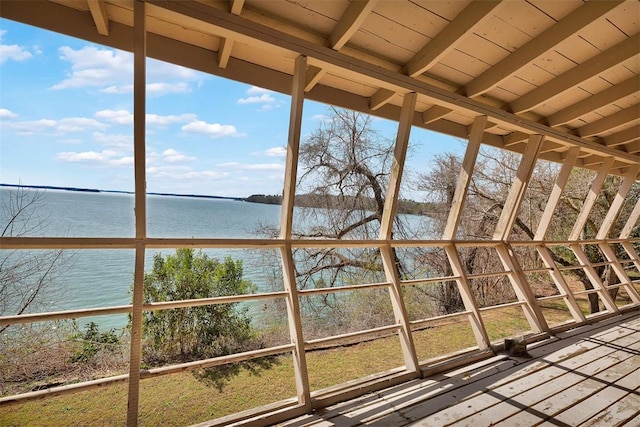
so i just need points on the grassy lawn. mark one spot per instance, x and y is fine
(182, 399)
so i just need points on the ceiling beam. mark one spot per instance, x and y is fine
(381, 97)
(561, 30)
(225, 24)
(446, 40)
(99, 13)
(622, 117)
(578, 74)
(435, 113)
(350, 22)
(595, 101)
(622, 137)
(226, 44)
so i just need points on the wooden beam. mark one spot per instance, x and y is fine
(294, 320)
(139, 165)
(350, 22)
(622, 137)
(561, 30)
(595, 101)
(293, 147)
(314, 74)
(591, 198)
(580, 73)
(226, 44)
(615, 120)
(470, 304)
(631, 221)
(522, 288)
(223, 23)
(594, 278)
(380, 98)
(100, 18)
(518, 188)
(452, 35)
(617, 267)
(399, 311)
(397, 166)
(618, 201)
(556, 193)
(561, 283)
(434, 113)
(462, 187)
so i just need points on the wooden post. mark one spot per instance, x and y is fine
(386, 231)
(543, 227)
(503, 230)
(139, 145)
(451, 229)
(286, 223)
(591, 198)
(460, 195)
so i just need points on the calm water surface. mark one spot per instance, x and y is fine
(101, 278)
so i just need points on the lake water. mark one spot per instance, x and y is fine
(101, 278)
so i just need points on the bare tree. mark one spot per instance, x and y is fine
(26, 276)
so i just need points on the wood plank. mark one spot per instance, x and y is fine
(621, 412)
(99, 13)
(591, 198)
(607, 124)
(464, 179)
(446, 40)
(566, 27)
(588, 69)
(350, 22)
(616, 205)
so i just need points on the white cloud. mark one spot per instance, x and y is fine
(102, 158)
(6, 114)
(114, 140)
(215, 130)
(62, 126)
(111, 71)
(252, 166)
(14, 52)
(173, 156)
(263, 97)
(124, 117)
(276, 152)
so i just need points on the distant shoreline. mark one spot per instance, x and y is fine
(95, 190)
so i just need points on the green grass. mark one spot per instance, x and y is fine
(181, 399)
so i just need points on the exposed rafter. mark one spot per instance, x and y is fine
(226, 44)
(595, 101)
(579, 74)
(622, 137)
(99, 13)
(531, 50)
(349, 23)
(446, 40)
(628, 115)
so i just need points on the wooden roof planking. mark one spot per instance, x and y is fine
(567, 70)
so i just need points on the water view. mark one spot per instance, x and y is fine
(101, 278)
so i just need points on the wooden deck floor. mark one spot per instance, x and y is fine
(584, 377)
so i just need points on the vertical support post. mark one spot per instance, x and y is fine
(583, 216)
(468, 163)
(626, 232)
(451, 229)
(470, 304)
(139, 144)
(591, 198)
(605, 228)
(286, 224)
(503, 230)
(386, 232)
(543, 228)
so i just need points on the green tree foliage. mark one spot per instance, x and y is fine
(200, 332)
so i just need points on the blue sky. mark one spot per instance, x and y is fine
(66, 120)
